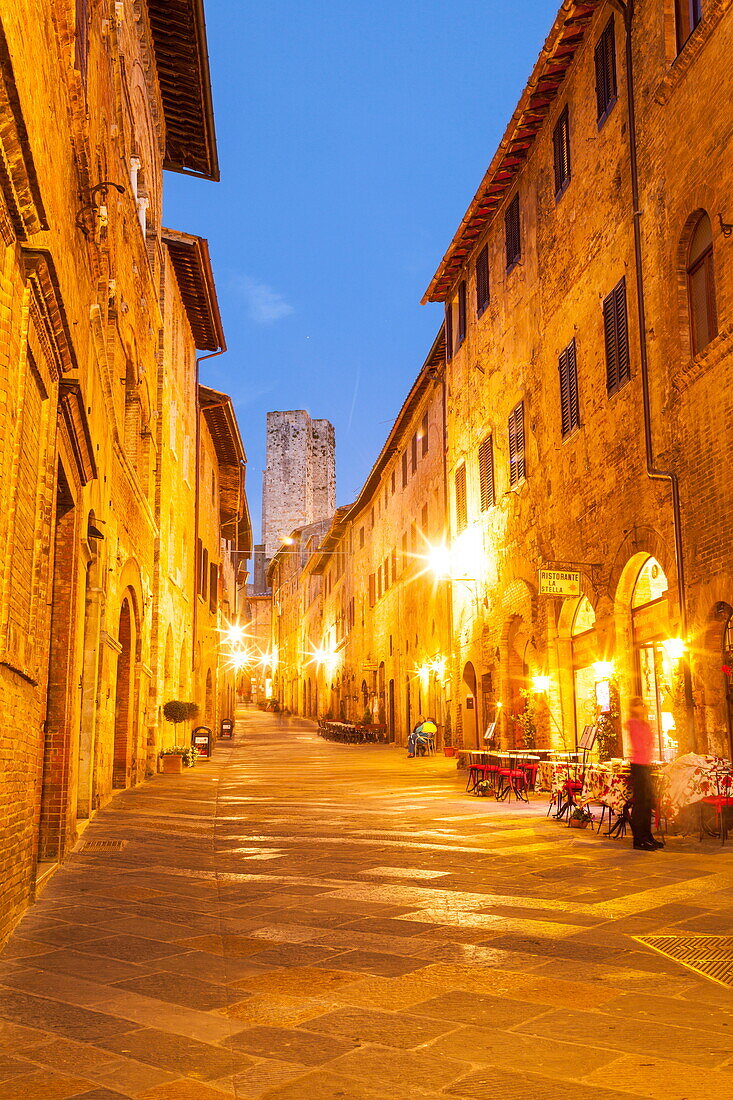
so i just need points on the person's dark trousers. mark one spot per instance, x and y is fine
(641, 811)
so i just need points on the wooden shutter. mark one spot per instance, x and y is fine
(622, 332)
(425, 436)
(424, 519)
(404, 468)
(461, 509)
(561, 151)
(569, 407)
(616, 332)
(413, 452)
(511, 226)
(394, 566)
(213, 586)
(461, 313)
(605, 60)
(486, 473)
(448, 331)
(517, 466)
(372, 590)
(482, 280)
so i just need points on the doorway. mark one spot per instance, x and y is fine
(470, 717)
(124, 697)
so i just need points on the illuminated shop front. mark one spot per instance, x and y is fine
(657, 656)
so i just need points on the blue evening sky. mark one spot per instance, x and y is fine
(352, 135)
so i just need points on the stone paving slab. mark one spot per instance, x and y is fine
(366, 932)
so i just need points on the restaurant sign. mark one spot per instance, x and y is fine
(559, 582)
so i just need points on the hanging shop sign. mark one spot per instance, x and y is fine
(559, 582)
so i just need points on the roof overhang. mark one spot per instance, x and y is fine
(192, 265)
(182, 60)
(556, 57)
(218, 412)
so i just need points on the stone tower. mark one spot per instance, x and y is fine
(299, 482)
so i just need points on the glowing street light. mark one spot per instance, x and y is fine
(541, 684)
(674, 648)
(603, 669)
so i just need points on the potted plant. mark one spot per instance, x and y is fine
(483, 787)
(580, 817)
(608, 727)
(173, 760)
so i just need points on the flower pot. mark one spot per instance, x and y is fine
(579, 823)
(172, 765)
(449, 750)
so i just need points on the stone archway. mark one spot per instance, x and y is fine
(470, 712)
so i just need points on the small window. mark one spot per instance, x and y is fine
(379, 583)
(486, 473)
(482, 280)
(424, 519)
(425, 434)
(513, 237)
(204, 574)
(404, 550)
(394, 566)
(361, 538)
(687, 14)
(616, 333)
(372, 590)
(517, 465)
(701, 286)
(461, 504)
(605, 58)
(461, 313)
(393, 484)
(448, 331)
(386, 573)
(405, 460)
(213, 587)
(569, 407)
(413, 452)
(561, 152)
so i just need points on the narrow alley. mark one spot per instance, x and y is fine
(297, 918)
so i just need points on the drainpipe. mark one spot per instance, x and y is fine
(211, 355)
(626, 8)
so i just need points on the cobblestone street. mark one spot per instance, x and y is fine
(301, 919)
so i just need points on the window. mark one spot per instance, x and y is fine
(424, 519)
(386, 573)
(404, 468)
(616, 330)
(486, 473)
(81, 41)
(361, 538)
(513, 240)
(371, 515)
(461, 313)
(482, 280)
(213, 586)
(687, 14)
(204, 573)
(404, 550)
(517, 466)
(372, 591)
(448, 331)
(413, 452)
(605, 57)
(461, 507)
(394, 566)
(561, 152)
(569, 408)
(379, 583)
(394, 481)
(424, 434)
(701, 286)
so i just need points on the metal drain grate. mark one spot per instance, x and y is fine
(102, 846)
(710, 956)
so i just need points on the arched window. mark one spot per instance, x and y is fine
(701, 286)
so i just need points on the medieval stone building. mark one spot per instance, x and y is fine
(102, 439)
(588, 293)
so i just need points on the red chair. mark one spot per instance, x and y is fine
(512, 779)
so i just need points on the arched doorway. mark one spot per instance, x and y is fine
(470, 715)
(124, 697)
(657, 662)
